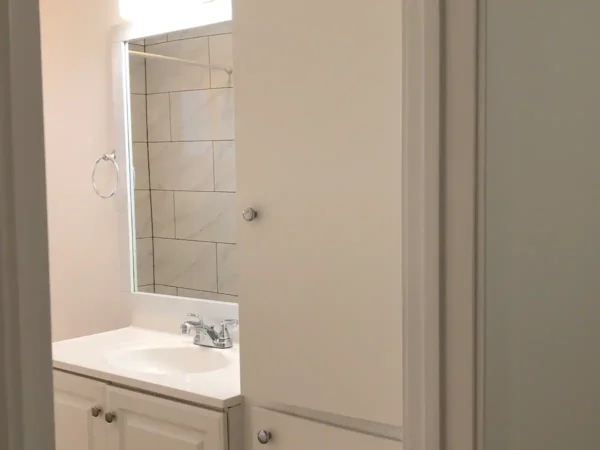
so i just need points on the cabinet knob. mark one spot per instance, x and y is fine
(96, 410)
(249, 214)
(264, 436)
(110, 417)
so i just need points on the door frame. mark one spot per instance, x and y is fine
(26, 412)
(421, 234)
(463, 109)
(443, 126)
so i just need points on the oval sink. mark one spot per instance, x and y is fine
(169, 360)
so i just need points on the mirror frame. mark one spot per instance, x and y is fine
(121, 35)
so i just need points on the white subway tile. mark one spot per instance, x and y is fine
(138, 118)
(225, 175)
(140, 166)
(137, 71)
(202, 115)
(185, 264)
(169, 76)
(163, 214)
(159, 124)
(182, 166)
(143, 219)
(227, 268)
(205, 216)
(221, 55)
(165, 290)
(144, 261)
(149, 289)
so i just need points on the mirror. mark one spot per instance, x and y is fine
(182, 154)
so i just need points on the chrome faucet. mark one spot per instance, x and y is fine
(206, 335)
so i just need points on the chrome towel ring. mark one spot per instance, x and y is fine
(111, 158)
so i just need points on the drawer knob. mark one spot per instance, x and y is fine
(264, 436)
(96, 410)
(110, 417)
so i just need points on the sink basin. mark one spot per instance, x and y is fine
(169, 360)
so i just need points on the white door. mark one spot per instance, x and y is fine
(276, 431)
(318, 115)
(140, 421)
(78, 404)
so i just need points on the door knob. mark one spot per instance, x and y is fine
(110, 417)
(264, 436)
(96, 410)
(249, 214)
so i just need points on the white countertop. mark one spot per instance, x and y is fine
(88, 356)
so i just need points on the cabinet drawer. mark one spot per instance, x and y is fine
(294, 433)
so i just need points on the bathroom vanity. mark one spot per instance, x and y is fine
(135, 389)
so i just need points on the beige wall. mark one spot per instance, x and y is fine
(542, 225)
(78, 126)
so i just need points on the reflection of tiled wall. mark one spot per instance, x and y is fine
(184, 158)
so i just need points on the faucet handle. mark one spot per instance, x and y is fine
(186, 327)
(227, 322)
(224, 333)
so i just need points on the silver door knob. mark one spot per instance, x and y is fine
(96, 410)
(249, 214)
(264, 436)
(110, 417)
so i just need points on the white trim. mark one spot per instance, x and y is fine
(459, 223)
(26, 420)
(421, 27)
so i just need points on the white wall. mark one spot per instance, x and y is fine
(76, 66)
(543, 225)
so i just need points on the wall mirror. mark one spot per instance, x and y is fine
(181, 177)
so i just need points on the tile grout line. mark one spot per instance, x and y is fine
(189, 90)
(191, 240)
(195, 290)
(188, 38)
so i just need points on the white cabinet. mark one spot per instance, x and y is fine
(294, 433)
(129, 420)
(318, 117)
(75, 426)
(150, 423)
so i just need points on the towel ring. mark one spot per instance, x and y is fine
(109, 157)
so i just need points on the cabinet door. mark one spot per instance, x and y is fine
(151, 423)
(294, 433)
(318, 116)
(74, 397)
